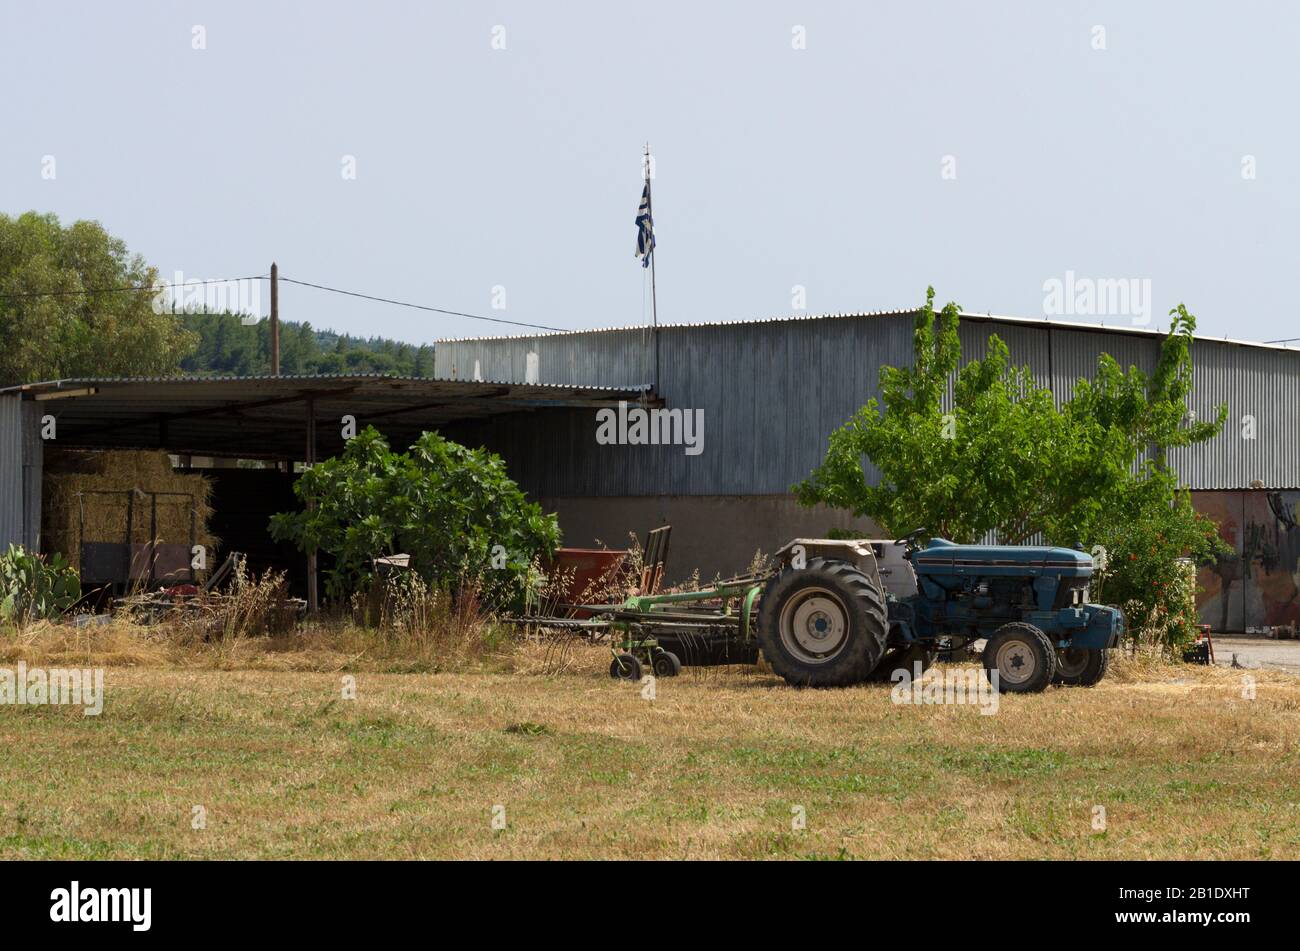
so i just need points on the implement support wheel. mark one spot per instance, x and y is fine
(625, 667)
(667, 664)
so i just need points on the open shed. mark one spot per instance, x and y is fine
(282, 420)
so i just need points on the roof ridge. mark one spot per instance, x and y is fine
(80, 381)
(840, 315)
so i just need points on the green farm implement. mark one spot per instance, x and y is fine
(660, 632)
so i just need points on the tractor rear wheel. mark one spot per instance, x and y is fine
(823, 625)
(1022, 656)
(1080, 667)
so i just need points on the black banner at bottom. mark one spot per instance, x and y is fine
(336, 899)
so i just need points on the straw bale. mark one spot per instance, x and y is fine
(74, 479)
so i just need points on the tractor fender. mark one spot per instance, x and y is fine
(883, 561)
(799, 551)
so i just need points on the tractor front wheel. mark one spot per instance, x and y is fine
(823, 625)
(1080, 667)
(1021, 656)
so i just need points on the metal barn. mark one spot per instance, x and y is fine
(772, 390)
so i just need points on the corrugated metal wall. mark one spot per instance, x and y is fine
(11, 471)
(772, 391)
(769, 399)
(33, 475)
(1261, 438)
(21, 457)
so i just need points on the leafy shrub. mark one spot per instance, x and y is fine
(454, 510)
(32, 588)
(1145, 570)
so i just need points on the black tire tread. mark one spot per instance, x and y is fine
(1039, 683)
(1091, 675)
(626, 663)
(868, 616)
(673, 662)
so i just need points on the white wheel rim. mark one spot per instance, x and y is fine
(814, 625)
(1016, 661)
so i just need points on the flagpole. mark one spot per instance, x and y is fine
(654, 302)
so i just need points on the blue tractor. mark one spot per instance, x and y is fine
(842, 612)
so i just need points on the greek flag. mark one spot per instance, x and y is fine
(645, 228)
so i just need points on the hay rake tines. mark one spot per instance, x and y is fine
(664, 632)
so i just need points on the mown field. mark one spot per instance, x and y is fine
(716, 766)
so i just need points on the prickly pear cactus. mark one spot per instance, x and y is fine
(32, 588)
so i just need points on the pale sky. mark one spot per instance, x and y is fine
(985, 148)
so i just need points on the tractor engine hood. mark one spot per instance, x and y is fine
(942, 557)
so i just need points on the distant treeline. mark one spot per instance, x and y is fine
(227, 346)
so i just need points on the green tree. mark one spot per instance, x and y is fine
(1005, 458)
(423, 362)
(454, 510)
(227, 345)
(53, 329)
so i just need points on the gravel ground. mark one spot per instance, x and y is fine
(1257, 652)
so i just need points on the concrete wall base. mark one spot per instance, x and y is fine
(716, 534)
(1258, 586)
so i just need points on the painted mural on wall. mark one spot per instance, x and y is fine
(1259, 584)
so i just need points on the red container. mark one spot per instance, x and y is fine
(587, 571)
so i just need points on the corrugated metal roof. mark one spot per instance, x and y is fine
(740, 321)
(82, 381)
(906, 312)
(265, 416)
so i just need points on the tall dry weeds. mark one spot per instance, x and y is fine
(408, 621)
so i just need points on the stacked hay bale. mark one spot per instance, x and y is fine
(72, 475)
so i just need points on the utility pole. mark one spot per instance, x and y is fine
(313, 601)
(275, 319)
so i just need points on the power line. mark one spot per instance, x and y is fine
(402, 303)
(156, 288)
(150, 288)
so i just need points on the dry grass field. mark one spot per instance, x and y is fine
(716, 766)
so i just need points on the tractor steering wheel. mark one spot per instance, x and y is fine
(910, 540)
